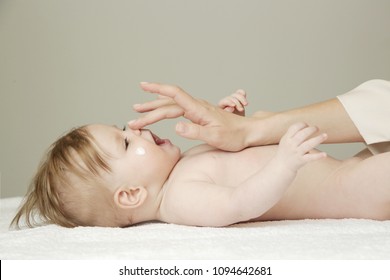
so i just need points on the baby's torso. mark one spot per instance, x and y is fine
(310, 189)
(223, 168)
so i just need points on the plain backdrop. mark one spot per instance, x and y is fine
(68, 63)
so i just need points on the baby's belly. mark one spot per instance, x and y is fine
(314, 194)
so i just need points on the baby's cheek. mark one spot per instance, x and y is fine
(140, 151)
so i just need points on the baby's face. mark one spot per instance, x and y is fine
(138, 156)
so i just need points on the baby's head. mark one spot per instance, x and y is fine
(98, 175)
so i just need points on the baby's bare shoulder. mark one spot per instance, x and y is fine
(200, 149)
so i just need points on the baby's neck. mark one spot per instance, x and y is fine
(150, 210)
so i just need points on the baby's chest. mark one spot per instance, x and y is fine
(222, 168)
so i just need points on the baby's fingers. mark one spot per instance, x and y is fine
(229, 109)
(237, 103)
(311, 143)
(237, 99)
(314, 156)
(240, 95)
(226, 102)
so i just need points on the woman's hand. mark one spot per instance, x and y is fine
(210, 124)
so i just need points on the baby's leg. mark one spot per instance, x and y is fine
(366, 186)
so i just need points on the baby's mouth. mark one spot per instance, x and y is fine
(154, 138)
(157, 139)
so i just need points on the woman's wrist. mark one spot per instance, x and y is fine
(263, 128)
(254, 132)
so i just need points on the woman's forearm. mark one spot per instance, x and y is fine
(329, 116)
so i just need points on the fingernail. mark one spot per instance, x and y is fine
(136, 105)
(180, 127)
(144, 83)
(129, 123)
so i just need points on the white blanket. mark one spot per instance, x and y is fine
(302, 239)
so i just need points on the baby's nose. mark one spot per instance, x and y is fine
(135, 131)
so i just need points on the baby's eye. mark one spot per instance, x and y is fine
(126, 140)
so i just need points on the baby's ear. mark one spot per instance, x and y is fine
(131, 197)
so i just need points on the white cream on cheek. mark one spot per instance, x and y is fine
(140, 151)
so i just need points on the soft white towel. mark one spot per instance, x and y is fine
(301, 239)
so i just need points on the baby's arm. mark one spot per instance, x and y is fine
(234, 103)
(265, 188)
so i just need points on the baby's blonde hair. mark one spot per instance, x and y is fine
(68, 188)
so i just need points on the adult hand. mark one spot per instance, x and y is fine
(210, 124)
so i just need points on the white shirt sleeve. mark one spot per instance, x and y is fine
(368, 105)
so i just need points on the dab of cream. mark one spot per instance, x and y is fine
(140, 151)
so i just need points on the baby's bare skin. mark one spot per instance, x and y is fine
(326, 188)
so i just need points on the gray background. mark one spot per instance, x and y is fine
(68, 63)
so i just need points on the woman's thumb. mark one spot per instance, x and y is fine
(188, 130)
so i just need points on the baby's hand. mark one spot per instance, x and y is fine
(235, 103)
(296, 146)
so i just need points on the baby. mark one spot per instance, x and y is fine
(99, 175)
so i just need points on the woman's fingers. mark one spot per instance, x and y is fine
(152, 105)
(183, 99)
(165, 112)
